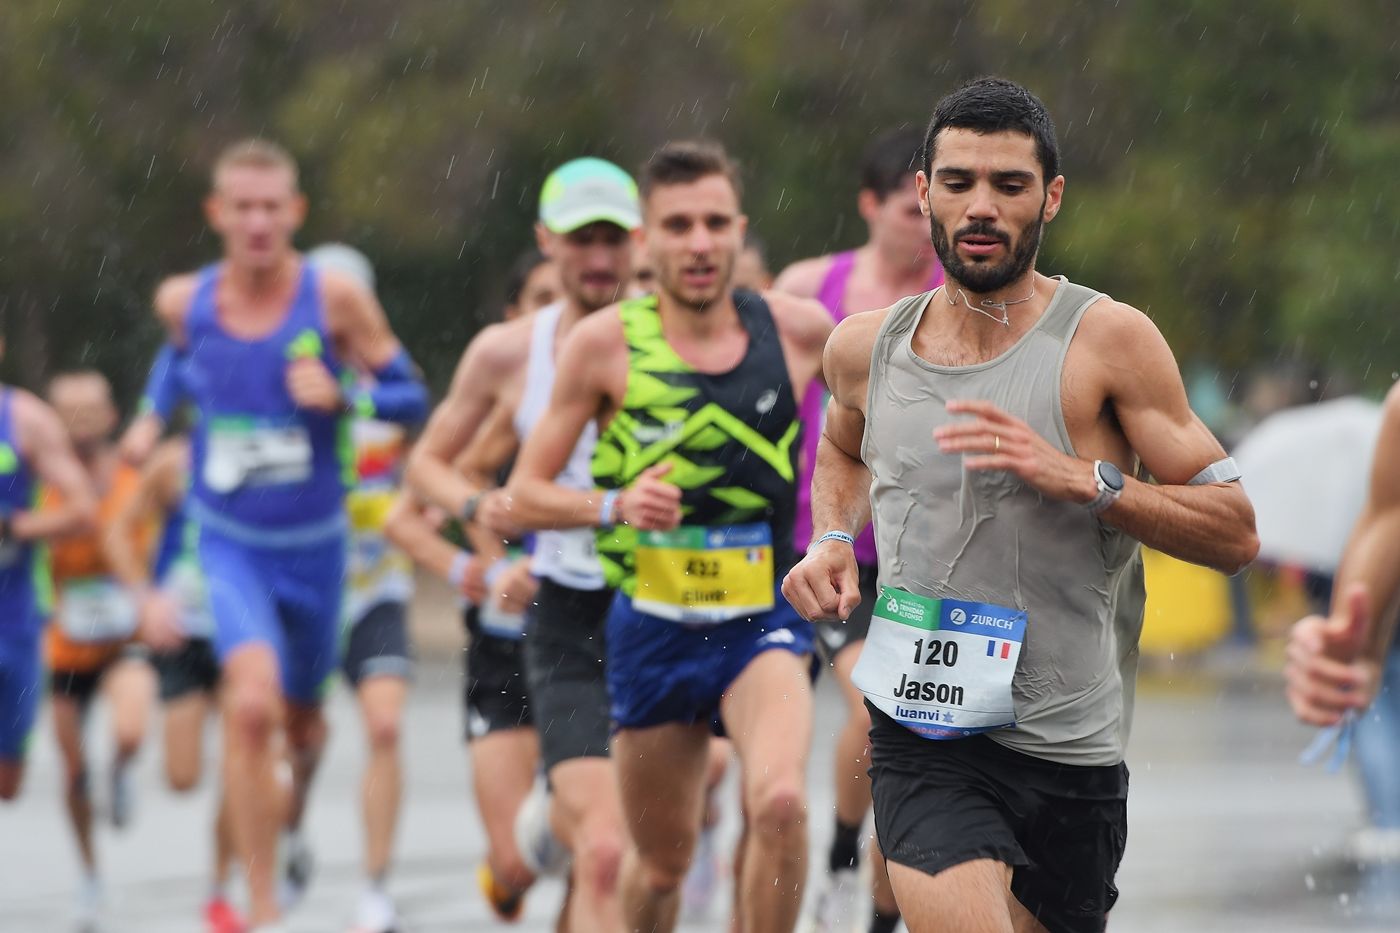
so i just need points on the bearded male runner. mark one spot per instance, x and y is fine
(996, 426)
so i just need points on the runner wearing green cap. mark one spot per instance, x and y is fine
(587, 208)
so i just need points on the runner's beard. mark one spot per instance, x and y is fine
(983, 278)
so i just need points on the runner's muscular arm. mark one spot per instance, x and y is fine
(360, 330)
(804, 326)
(592, 349)
(456, 421)
(484, 457)
(1369, 559)
(171, 303)
(840, 478)
(44, 443)
(1211, 524)
(358, 324)
(1119, 355)
(1335, 663)
(408, 527)
(825, 584)
(157, 491)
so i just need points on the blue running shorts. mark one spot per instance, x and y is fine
(285, 597)
(661, 671)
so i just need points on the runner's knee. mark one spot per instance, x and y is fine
(252, 715)
(383, 731)
(598, 859)
(777, 807)
(664, 870)
(306, 730)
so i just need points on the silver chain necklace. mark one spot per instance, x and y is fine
(1004, 320)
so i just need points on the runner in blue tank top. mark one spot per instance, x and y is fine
(896, 260)
(264, 343)
(34, 448)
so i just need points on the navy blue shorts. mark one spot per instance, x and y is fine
(662, 672)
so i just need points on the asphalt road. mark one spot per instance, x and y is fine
(1227, 831)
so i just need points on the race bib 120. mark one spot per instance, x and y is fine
(941, 668)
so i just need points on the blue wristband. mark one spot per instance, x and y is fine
(837, 536)
(606, 517)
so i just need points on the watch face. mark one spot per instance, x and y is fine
(1110, 476)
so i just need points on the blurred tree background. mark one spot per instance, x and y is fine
(1231, 165)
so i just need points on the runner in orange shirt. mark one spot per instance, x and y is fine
(89, 645)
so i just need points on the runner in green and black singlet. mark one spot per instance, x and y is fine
(729, 440)
(694, 393)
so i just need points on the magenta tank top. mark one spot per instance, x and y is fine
(813, 410)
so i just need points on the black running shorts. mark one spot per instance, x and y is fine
(191, 668)
(377, 645)
(1062, 828)
(494, 696)
(565, 652)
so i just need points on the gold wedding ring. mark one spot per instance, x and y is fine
(997, 439)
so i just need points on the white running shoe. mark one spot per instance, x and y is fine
(1375, 845)
(376, 913)
(540, 849)
(834, 909)
(87, 908)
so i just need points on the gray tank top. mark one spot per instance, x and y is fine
(943, 531)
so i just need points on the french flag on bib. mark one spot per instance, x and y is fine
(998, 649)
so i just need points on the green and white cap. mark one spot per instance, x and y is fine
(585, 191)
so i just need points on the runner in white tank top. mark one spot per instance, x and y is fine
(587, 208)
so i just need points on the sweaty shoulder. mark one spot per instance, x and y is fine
(599, 334)
(804, 278)
(172, 299)
(498, 351)
(1120, 337)
(846, 361)
(338, 288)
(801, 320)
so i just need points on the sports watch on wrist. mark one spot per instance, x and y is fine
(468, 513)
(1109, 480)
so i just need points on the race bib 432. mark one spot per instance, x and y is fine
(699, 575)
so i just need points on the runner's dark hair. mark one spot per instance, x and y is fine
(995, 105)
(680, 163)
